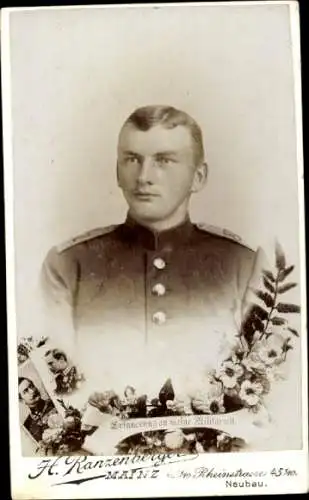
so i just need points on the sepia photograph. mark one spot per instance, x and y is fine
(35, 404)
(153, 164)
(57, 369)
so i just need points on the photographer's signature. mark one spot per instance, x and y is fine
(129, 467)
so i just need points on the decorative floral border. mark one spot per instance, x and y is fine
(188, 440)
(28, 344)
(63, 434)
(242, 381)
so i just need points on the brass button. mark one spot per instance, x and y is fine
(159, 263)
(158, 289)
(159, 318)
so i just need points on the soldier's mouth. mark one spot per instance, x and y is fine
(145, 196)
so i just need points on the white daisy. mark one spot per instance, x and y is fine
(209, 401)
(250, 392)
(229, 374)
(174, 439)
(270, 350)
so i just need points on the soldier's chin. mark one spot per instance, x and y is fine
(146, 212)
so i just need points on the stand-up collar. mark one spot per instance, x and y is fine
(155, 240)
(38, 409)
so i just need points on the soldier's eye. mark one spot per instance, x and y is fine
(132, 160)
(165, 160)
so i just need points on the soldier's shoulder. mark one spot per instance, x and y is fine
(222, 233)
(85, 237)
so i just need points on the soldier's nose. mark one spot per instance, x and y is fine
(145, 172)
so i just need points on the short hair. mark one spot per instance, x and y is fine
(57, 354)
(22, 379)
(146, 117)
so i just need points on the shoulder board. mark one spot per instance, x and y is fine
(89, 235)
(223, 233)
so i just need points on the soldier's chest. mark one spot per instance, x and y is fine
(141, 309)
(168, 284)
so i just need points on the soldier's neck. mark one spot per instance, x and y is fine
(176, 219)
(37, 406)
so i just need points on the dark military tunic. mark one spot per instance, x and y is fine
(152, 302)
(37, 420)
(66, 381)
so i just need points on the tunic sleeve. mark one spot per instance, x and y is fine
(57, 283)
(249, 277)
(255, 281)
(55, 279)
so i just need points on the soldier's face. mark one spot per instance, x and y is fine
(29, 393)
(157, 170)
(56, 365)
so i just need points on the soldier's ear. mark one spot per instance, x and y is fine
(200, 177)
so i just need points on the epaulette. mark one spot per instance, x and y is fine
(222, 232)
(88, 235)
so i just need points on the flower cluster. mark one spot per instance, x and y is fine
(28, 344)
(191, 440)
(241, 381)
(63, 434)
(246, 377)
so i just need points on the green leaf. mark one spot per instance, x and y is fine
(258, 325)
(295, 332)
(286, 342)
(61, 402)
(280, 257)
(268, 285)
(258, 311)
(265, 297)
(41, 343)
(286, 347)
(278, 321)
(167, 392)
(269, 275)
(253, 322)
(285, 272)
(247, 331)
(141, 406)
(287, 308)
(239, 355)
(287, 287)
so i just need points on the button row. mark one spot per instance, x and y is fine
(159, 317)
